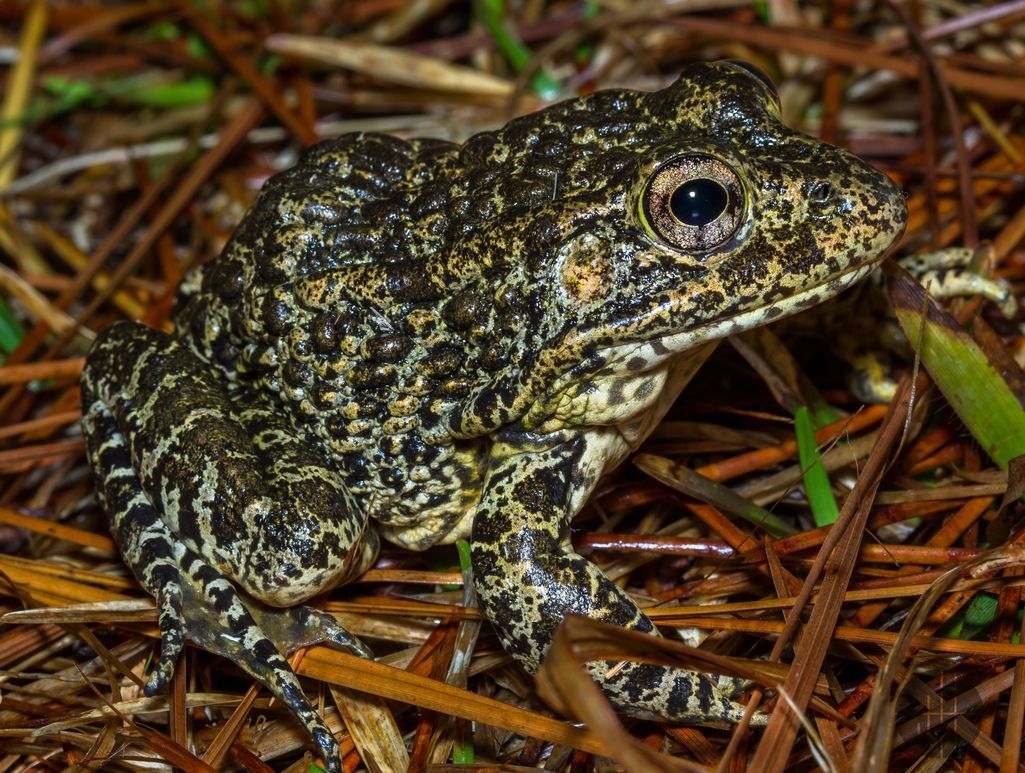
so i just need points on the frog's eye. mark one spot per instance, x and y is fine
(694, 203)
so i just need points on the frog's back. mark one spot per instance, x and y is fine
(364, 293)
(321, 304)
(412, 209)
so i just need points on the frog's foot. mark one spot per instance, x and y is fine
(220, 619)
(659, 693)
(866, 340)
(952, 284)
(869, 371)
(295, 627)
(946, 274)
(289, 629)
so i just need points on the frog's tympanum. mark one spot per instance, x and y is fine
(428, 341)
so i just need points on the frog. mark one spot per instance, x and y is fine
(422, 341)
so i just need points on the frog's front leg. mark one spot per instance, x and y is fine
(946, 273)
(528, 578)
(870, 332)
(205, 500)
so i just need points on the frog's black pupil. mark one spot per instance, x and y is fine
(698, 202)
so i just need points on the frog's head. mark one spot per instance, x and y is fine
(731, 220)
(682, 216)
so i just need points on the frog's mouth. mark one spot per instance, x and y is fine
(746, 320)
(646, 352)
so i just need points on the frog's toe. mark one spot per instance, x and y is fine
(340, 637)
(945, 259)
(869, 376)
(171, 622)
(952, 284)
(295, 627)
(730, 686)
(680, 696)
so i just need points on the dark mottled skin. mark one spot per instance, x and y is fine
(452, 341)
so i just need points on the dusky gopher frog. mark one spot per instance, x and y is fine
(428, 341)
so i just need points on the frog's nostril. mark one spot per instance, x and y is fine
(820, 193)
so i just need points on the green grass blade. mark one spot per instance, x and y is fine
(816, 480)
(491, 13)
(974, 620)
(135, 90)
(698, 486)
(11, 331)
(462, 753)
(463, 548)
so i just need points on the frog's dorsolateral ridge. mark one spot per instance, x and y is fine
(428, 341)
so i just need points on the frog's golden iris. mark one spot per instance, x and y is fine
(693, 203)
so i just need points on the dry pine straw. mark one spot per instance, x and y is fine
(675, 552)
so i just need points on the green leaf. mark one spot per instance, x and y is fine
(196, 90)
(68, 90)
(981, 610)
(164, 30)
(269, 64)
(694, 484)
(196, 46)
(975, 619)
(972, 386)
(138, 90)
(816, 480)
(462, 753)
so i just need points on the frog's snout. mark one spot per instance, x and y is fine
(874, 206)
(877, 202)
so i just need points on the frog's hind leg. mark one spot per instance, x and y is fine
(528, 578)
(180, 580)
(142, 538)
(195, 498)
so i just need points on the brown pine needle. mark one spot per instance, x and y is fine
(348, 670)
(57, 530)
(134, 137)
